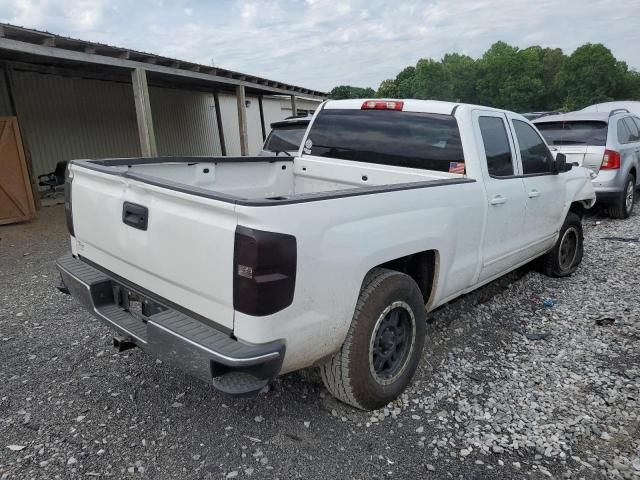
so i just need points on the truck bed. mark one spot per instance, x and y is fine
(268, 180)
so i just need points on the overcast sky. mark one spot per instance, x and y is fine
(323, 43)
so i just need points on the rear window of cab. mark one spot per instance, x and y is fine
(388, 137)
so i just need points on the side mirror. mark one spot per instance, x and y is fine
(560, 164)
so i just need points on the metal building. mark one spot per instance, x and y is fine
(78, 99)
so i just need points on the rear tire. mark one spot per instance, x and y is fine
(384, 344)
(623, 206)
(566, 255)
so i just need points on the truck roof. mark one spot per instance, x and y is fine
(411, 105)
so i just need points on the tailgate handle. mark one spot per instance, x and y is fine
(135, 215)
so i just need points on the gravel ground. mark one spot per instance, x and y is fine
(508, 387)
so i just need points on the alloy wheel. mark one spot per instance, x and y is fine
(392, 342)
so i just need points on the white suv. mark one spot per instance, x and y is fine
(606, 142)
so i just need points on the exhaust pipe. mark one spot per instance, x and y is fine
(123, 343)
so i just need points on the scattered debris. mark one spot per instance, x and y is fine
(622, 239)
(16, 448)
(537, 335)
(605, 321)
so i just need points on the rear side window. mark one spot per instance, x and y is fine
(634, 134)
(574, 133)
(284, 139)
(536, 157)
(624, 134)
(406, 139)
(496, 146)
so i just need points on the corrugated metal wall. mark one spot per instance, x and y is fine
(5, 103)
(229, 110)
(273, 111)
(65, 118)
(254, 128)
(184, 122)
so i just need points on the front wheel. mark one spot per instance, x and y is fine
(384, 343)
(566, 255)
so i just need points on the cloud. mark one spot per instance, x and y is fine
(322, 43)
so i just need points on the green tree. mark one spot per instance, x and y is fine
(387, 89)
(462, 75)
(529, 79)
(510, 78)
(405, 83)
(590, 75)
(632, 85)
(432, 81)
(552, 61)
(348, 91)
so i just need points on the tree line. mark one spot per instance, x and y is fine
(521, 80)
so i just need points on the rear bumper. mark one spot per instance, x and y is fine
(200, 350)
(608, 183)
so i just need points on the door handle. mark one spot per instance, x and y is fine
(498, 200)
(534, 194)
(135, 215)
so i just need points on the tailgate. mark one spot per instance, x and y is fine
(588, 156)
(185, 255)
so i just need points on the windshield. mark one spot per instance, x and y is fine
(574, 133)
(388, 137)
(287, 138)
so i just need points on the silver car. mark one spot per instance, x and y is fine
(285, 137)
(606, 142)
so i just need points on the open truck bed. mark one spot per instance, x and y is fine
(261, 181)
(169, 224)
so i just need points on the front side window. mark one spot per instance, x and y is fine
(536, 157)
(388, 137)
(496, 146)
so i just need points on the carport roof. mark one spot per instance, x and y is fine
(47, 50)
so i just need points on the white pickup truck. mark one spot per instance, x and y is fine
(241, 269)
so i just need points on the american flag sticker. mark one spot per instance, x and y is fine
(456, 167)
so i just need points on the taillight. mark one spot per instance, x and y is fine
(68, 212)
(264, 271)
(611, 160)
(382, 105)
